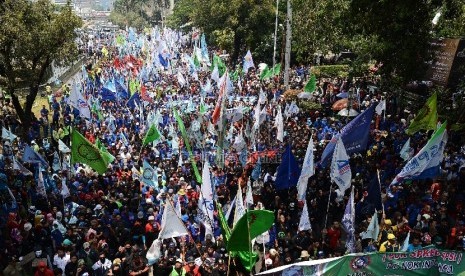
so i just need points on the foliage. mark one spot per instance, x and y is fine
(308, 106)
(291, 94)
(138, 13)
(331, 71)
(33, 34)
(452, 20)
(234, 25)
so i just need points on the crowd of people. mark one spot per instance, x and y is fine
(107, 222)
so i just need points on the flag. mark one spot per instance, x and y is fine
(426, 163)
(19, 167)
(247, 258)
(108, 157)
(354, 136)
(279, 123)
(204, 49)
(177, 207)
(221, 96)
(405, 151)
(8, 135)
(257, 170)
(372, 231)
(240, 209)
(406, 243)
(40, 182)
(249, 194)
(30, 156)
(215, 75)
(181, 80)
(266, 73)
(205, 204)
(304, 223)
(64, 189)
(218, 62)
(171, 225)
(427, 116)
(121, 91)
(374, 193)
(14, 203)
(248, 62)
(276, 69)
(149, 175)
(311, 84)
(340, 172)
(380, 107)
(288, 171)
(62, 147)
(249, 226)
(308, 169)
(56, 166)
(154, 252)
(152, 135)
(82, 151)
(78, 101)
(188, 146)
(107, 95)
(231, 206)
(163, 61)
(348, 223)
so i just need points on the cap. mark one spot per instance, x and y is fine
(148, 201)
(268, 261)
(67, 242)
(190, 259)
(27, 226)
(391, 236)
(179, 260)
(387, 222)
(151, 218)
(117, 261)
(86, 245)
(140, 215)
(98, 207)
(273, 252)
(304, 254)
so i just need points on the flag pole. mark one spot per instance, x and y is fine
(249, 241)
(327, 209)
(379, 181)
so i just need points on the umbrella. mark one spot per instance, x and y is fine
(304, 95)
(350, 112)
(342, 103)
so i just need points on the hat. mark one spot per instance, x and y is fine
(268, 261)
(148, 201)
(273, 252)
(391, 236)
(27, 226)
(86, 245)
(178, 260)
(387, 222)
(208, 237)
(151, 218)
(98, 207)
(140, 215)
(54, 175)
(181, 192)
(181, 178)
(304, 254)
(117, 261)
(67, 242)
(426, 216)
(190, 259)
(81, 262)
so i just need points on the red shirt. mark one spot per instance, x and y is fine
(333, 235)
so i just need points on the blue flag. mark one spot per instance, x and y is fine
(288, 171)
(354, 136)
(30, 156)
(374, 194)
(256, 171)
(110, 85)
(133, 101)
(149, 176)
(163, 62)
(107, 95)
(121, 91)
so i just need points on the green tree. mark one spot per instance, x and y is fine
(32, 36)
(451, 23)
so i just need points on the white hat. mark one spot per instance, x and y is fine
(27, 226)
(151, 218)
(148, 201)
(268, 261)
(98, 207)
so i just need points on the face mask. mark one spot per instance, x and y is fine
(102, 260)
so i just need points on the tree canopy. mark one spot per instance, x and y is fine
(33, 34)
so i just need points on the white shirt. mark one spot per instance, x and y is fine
(61, 262)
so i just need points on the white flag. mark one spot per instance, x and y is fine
(405, 151)
(171, 224)
(231, 206)
(248, 194)
(78, 101)
(177, 207)
(308, 169)
(256, 114)
(340, 167)
(180, 162)
(40, 183)
(8, 135)
(19, 167)
(62, 147)
(372, 231)
(240, 209)
(56, 166)
(215, 74)
(380, 107)
(181, 79)
(406, 243)
(304, 223)
(64, 189)
(154, 252)
(279, 123)
(206, 199)
(248, 62)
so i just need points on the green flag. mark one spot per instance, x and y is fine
(427, 116)
(83, 151)
(311, 84)
(277, 69)
(196, 61)
(249, 226)
(266, 73)
(96, 110)
(203, 108)
(248, 259)
(218, 62)
(152, 135)
(188, 145)
(108, 157)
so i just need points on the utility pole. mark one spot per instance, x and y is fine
(275, 33)
(287, 55)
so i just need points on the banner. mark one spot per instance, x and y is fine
(427, 261)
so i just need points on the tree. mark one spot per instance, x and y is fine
(32, 36)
